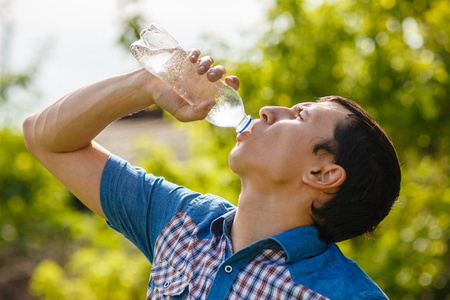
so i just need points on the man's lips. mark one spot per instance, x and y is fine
(241, 135)
(248, 131)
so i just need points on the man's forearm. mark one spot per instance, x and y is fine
(75, 120)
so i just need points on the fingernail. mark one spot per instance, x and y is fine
(212, 74)
(202, 68)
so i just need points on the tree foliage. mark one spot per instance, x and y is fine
(391, 56)
(73, 254)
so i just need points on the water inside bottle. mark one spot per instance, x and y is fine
(172, 66)
(152, 59)
(228, 111)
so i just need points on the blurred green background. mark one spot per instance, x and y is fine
(390, 56)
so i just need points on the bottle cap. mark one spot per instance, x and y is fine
(246, 126)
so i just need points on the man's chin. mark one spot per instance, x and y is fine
(237, 160)
(233, 159)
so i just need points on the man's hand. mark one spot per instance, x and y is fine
(171, 102)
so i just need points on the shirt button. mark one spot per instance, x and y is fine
(166, 284)
(228, 269)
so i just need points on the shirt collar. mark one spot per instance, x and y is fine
(222, 225)
(298, 243)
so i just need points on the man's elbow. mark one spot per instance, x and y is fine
(29, 133)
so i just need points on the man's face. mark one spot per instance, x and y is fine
(280, 145)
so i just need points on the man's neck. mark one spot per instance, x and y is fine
(262, 215)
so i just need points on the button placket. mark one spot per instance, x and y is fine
(228, 269)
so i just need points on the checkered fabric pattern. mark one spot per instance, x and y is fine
(185, 265)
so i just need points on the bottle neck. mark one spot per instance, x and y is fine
(244, 124)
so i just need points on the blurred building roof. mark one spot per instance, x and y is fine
(120, 137)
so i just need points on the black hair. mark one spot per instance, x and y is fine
(373, 176)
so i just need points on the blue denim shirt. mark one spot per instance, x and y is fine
(142, 207)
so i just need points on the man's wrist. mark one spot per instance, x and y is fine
(143, 84)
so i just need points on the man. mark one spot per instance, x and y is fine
(312, 175)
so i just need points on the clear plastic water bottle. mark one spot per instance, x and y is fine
(160, 54)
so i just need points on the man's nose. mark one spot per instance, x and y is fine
(272, 114)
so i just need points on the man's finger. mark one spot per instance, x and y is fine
(193, 55)
(232, 81)
(216, 73)
(205, 63)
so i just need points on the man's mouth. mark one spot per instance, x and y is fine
(247, 131)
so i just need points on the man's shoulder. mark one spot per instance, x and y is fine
(137, 201)
(204, 209)
(335, 276)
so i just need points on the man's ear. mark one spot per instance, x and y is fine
(328, 177)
